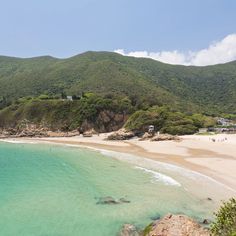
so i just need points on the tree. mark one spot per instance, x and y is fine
(63, 95)
(225, 224)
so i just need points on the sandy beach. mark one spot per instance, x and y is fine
(216, 159)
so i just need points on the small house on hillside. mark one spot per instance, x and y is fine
(224, 122)
(70, 98)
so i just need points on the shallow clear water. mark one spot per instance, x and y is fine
(52, 190)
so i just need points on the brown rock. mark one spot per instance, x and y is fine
(146, 136)
(164, 137)
(121, 134)
(177, 225)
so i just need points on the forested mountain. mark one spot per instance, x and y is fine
(210, 89)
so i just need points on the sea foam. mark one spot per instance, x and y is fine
(167, 180)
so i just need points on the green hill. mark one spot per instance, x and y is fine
(146, 82)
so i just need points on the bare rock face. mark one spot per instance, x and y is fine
(129, 230)
(176, 225)
(107, 121)
(121, 134)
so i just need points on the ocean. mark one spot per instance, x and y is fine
(56, 190)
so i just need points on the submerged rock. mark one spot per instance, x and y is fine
(123, 200)
(111, 201)
(156, 217)
(107, 200)
(129, 230)
(159, 137)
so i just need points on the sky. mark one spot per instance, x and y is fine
(189, 32)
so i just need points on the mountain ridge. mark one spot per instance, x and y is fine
(190, 88)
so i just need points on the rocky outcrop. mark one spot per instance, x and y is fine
(25, 128)
(35, 132)
(121, 134)
(176, 225)
(146, 136)
(107, 121)
(159, 137)
(165, 137)
(89, 133)
(104, 121)
(170, 225)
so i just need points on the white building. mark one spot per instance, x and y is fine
(70, 98)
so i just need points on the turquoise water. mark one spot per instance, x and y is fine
(52, 190)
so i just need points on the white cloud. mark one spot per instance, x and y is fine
(218, 52)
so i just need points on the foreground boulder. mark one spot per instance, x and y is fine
(121, 134)
(170, 225)
(176, 225)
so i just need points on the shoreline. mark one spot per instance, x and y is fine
(194, 153)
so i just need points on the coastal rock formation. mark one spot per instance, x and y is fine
(62, 134)
(159, 137)
(89, 133)
(164, 137)
(35, 132)
(146, 136)
(107, 121)
(170, 225)
(176, 225)
(121, 134)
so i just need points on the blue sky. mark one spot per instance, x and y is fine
(63, 28)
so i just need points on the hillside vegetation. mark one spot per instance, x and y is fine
(96, 112)
(211, 89)
(91, 111)
(112, 91)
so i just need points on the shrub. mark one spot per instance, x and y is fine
(180, 129)
(225, 224)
